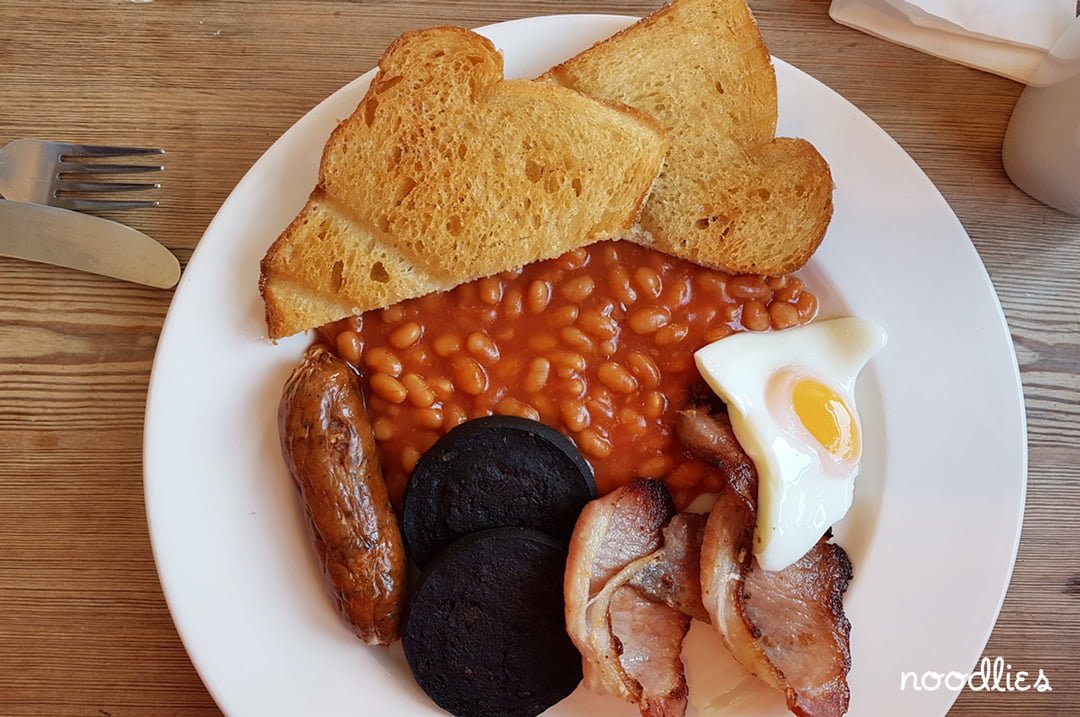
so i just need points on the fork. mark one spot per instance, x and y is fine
(57, 174)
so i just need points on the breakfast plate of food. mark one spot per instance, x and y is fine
(585, 365)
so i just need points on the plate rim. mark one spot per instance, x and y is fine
(154, 388)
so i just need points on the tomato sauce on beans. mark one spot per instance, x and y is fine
(597, 343)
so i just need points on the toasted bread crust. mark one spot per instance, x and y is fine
(730, 195)
(446, 173)
(769, 222)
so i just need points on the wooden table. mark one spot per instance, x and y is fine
(84, 628)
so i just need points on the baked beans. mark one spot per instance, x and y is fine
(749, 287)
(576, 338)
(405, 335)
(417, 390)
(671, 334)
(514, 407)
(657, 467)
(597, 343)
(350, 346)
(575, 415)
(570, 363)
(649, 320)
(482, 347)
(490, 290)
(470, 376)
(593, 445)
(783, 316)
(428, 418)
(563, 316)
(453, 416)
(383, 428)
(619, 285)
(383, 360)
(644, 369)
(648, 281)
(755, 316)
(446, 344)
(594, 323)
(616, 377)
(442, 387)
(388, 388)
(575, 259)
(633, 421)
(539, 296)
(574, 388)
(393, 314)
(678, 293)
(409, 457)
(807, 306)
(655, 405)
(513, 303)
(578, 288)
(542, 342)
(717, 332)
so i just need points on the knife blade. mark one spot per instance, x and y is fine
(61, 237)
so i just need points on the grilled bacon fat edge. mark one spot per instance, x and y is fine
(787, 627)
(329, 449)
(630, 645)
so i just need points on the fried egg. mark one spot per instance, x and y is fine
(790, 396)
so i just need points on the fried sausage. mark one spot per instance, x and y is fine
(329, 449)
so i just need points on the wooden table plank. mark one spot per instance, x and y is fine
(84, 629)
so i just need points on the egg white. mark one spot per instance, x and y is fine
(799, 495)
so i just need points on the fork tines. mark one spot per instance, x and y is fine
(79, 151)
(74, 168)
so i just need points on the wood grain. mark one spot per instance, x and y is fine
(84, 629)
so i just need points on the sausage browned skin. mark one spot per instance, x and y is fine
(329, 449)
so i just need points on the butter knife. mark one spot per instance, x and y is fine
(51, 235)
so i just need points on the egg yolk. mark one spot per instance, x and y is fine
(827, 417)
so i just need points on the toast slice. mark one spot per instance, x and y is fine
(730, 195)
(446, 173)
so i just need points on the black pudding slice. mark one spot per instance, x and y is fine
(486, 635)
(494, 472)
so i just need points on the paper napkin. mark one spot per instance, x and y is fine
(1006, 37)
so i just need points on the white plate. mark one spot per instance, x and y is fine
(933, 533)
